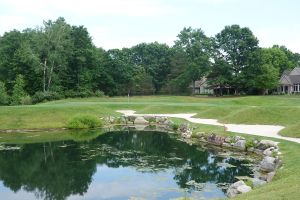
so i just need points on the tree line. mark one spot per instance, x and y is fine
(59, 60)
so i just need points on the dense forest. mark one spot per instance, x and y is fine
(58, 60)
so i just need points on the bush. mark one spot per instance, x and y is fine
(84, 121)
(99, 93)
(45, 96)
(250, 143)
(26, 100)
(175, 126)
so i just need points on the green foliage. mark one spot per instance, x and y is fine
(250, 143)
(84, 121)
(175, 126)
(4, 98)
(27, 100)
(99, 93)
(61, 58)
(18, 91)
(45, 96)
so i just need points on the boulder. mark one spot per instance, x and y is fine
(268, 151)
(161, 120)
(131, 118)
(256, 182)
(183, 127)
(240, 144)
(150, 118)
(140, 120)
(268, 164)
(270, 176)
(238, 187)
(265, 144)
(243, 189)
(237, 138)
(215, 139)
(225, 144)
(228, 139)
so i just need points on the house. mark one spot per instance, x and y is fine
(290, 81)
(201, 87)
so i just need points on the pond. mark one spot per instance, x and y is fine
(117, 165)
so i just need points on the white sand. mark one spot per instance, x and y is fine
(260, 130)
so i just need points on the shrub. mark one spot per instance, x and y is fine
(99, 93)
(250, 143)
(175, 126)
(26, 100)
(84, 121)
(45, 96)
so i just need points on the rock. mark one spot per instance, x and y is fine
(237, 188)
(264, 144)
(161, 120)
(268, 164)
(183, 127)
(251, 149)
(140, 120)
(270, 176)
(150, 118)
(215, 139)
(228, 139)
(237, 138)
(268, 151)
(187, 134)
(257, 182)
(131, 118)
(225, 144)
(243, 189)
(240, 144)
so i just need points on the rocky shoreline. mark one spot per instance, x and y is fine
(267, 149)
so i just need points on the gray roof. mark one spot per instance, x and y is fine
(290, 77)
(295, 72)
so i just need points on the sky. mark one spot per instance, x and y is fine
(125, 23)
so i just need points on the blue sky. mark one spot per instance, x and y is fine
(124, 23)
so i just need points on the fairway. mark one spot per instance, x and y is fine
(263, 110)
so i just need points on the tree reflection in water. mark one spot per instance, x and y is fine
(57, 170)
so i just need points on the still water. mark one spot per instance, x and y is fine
(116, 165)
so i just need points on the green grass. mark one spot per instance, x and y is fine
(276, 110)
(279, 110)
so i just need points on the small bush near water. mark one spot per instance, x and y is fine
(84, 121)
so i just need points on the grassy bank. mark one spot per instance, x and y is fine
(276, 110)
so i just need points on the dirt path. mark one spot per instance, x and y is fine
(260, 130)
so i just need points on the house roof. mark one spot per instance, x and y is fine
(201, 82)
(295, 71)
(290, 77)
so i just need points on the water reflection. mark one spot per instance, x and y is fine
(116, 165)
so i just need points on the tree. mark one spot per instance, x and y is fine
(18, 91)
(155, 59)
(55, 43)
(264, 69)
(3, 95)
(220, 75)
(197, 48)
(235, 45)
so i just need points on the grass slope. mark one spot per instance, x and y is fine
(276, 110)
